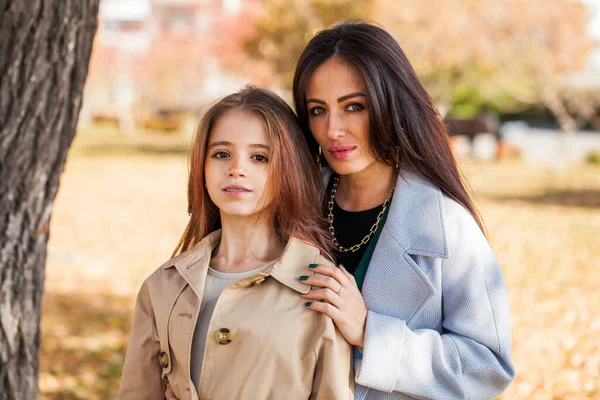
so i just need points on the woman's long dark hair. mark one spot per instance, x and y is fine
(294, 180)
(405, 125)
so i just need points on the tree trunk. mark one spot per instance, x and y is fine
(45, 46)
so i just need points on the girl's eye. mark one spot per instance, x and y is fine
(317, 110)
(355, 107)
(260, 158)
(220, 154)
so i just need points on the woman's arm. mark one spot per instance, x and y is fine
(141, 378)
(471, 358)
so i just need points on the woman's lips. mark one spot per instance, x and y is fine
(341, 152)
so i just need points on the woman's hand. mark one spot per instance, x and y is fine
(339, 298)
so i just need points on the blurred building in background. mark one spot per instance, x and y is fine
(527, 60)
(157, 58)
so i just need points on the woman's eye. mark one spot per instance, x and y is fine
(317, 110)
(355, 107)
(220, 154)
(260, 158)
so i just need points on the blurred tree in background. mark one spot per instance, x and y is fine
(470, 54)
(45, 47)
(273, 33)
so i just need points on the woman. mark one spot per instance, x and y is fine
(222, 319)
(422, 299)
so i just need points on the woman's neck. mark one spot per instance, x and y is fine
(246, 244)
(366, 189)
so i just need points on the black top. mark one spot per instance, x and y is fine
(350, 228)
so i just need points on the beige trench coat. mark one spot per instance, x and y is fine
(279, 349)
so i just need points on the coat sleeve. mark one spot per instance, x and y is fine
(333, 377)
(471, 358)
(141, 378)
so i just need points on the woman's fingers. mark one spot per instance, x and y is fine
(325, 276)
(325, 294)
(331, 271)
(320, 280)
(325, 308)
(348, 275)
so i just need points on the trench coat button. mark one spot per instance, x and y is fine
(163, 359)
(223, 336)
(258, 281)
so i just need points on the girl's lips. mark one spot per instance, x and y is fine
(341, 152)
(235, 191)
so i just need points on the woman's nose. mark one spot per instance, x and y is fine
(336, 127)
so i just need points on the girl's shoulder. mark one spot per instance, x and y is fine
(297, 248)
(323, 260)
(198, 253)
(167, 277)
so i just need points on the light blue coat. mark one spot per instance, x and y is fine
(438, 324)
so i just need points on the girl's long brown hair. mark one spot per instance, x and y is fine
(294, 179)
(405, 126)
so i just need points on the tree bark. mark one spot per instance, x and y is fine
(45, 47)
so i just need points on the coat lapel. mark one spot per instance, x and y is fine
(414, 227)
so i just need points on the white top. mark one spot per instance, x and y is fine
(216, 282)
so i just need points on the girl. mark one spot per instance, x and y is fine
(423, 300)
(222, 319)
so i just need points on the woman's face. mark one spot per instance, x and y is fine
(236, 166)
(338, 116)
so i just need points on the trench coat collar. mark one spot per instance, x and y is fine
(416, 216)
(293, 262)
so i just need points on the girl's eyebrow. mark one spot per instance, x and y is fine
(260, 146)
(341, 99)
(221, 143)
(225, 143)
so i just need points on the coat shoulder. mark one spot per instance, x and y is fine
(164, 277)
(461, 227)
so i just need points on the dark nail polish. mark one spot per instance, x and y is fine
(303, 278)
(308, 303)
(312, 265)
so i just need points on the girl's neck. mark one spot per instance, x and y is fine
(366, 189)
(246, 244)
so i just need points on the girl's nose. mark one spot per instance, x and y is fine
(236, 170)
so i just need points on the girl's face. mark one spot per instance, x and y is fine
(236, 164)
(338, 116)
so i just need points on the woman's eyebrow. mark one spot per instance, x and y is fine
(340, 99)
(351, 95)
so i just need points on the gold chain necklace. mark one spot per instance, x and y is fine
(373, 229)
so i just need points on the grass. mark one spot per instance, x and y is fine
(122, 206)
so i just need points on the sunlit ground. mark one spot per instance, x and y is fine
(122, 206)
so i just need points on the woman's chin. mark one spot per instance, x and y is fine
(348, 167)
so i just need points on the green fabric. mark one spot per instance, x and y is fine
(361, 270)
